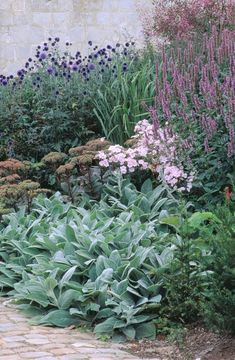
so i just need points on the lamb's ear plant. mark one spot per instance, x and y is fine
(97, 265)
(111, 265)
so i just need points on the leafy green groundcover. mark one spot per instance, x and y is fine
(95, 265)
(124, 265)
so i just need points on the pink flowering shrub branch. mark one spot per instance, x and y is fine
(180, 19)
(154, 149)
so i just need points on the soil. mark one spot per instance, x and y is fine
(199, 344)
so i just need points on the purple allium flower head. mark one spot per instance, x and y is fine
(118, 45)
(127, 44)
(91, 66)
(124, 67)
(50, 70)
(49, 39)
(30, 59)
(57, 39)
(43, 56)
(109, 47)
(67, 43)
(75, 67)
(90, 43)
(4, 82)
(19, 73)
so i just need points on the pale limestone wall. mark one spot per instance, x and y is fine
(26, 23)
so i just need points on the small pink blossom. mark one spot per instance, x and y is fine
(131, 170)
(102, 155)
(144, 165)
(104, 163)
(123, 169)
(132, 163)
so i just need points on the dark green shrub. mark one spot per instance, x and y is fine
(218, 307)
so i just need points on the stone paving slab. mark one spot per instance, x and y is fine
(21, 341)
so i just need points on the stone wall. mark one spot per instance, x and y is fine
(26, 23)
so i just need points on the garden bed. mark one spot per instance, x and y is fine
(199, 343)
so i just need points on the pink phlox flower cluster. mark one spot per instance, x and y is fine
(155, 150)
